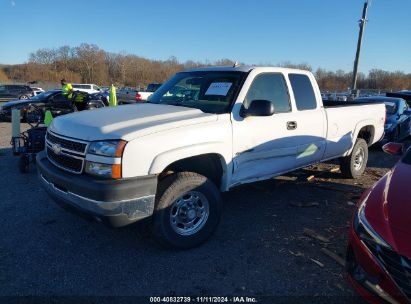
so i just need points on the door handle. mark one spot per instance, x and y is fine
(291, 125)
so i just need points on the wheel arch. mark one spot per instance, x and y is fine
(365, 130)
(211, 165)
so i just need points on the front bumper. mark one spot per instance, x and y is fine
(116, 202)
(368, 277)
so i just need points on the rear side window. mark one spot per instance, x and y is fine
(272, 87)
(152, 87)
(303, 92)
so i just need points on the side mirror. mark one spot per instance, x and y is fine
(258, 108)
(393, 148)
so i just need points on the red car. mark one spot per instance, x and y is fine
(379, 248)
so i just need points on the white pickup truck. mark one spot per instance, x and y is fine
(142, 96)
(203, 132)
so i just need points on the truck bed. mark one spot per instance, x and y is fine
(334, 104)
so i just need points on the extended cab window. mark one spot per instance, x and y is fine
(303, 92)
(271, 87)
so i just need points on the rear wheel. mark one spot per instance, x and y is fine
(187, 210)
(353, 165)
(24, 97)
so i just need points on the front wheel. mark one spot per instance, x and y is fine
(353, 165)
(187, 210)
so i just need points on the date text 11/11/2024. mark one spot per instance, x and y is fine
(203, 299)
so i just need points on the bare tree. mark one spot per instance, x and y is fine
(89, 63)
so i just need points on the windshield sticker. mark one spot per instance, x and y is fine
(219, 88)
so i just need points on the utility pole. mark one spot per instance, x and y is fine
(362, 23)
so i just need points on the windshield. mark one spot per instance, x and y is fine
(208, 91)
(42, 95)
(390, 107)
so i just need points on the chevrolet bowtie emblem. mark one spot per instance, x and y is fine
(56, 148)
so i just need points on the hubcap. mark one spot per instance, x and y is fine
(359, 159)
(189, 213)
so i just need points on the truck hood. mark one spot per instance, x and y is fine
(127, 122)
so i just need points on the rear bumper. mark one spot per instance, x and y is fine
(368, 277)
(116, 202)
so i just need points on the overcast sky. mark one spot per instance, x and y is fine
(319, 32)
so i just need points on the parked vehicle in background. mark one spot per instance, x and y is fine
(379, 247)
(143, 96)
(126, 95)
(406, 95)
(50, 100)
(15, 91)
(152, 87)
(398, 122)
(204, 131)
(335, 97)
(37, 90)
(88, 88)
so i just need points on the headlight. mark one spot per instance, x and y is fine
(363, 228)
(107, 148)
(103, 170)
(388, 126)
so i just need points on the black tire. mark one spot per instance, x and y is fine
(174, 205)
(24, 163)
(24, 97)
(353, 165)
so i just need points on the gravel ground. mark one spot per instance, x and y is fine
(258, 250)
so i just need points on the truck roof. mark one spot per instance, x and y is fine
(240, 68)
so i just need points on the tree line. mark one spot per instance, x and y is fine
(87, 63)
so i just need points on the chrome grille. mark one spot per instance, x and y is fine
(397, 266)
(65, 161)
(71, 145)
(65, 153)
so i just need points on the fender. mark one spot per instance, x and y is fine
(164, 159)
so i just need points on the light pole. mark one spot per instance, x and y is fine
(362, 23)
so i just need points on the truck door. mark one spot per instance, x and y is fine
(310, 121)
(261, 144)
